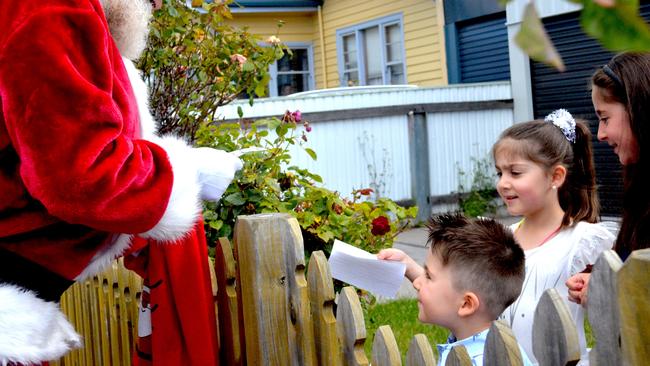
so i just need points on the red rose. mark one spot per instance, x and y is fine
(365, 191)
(380, 226)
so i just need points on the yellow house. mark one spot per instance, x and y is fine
(338, 43)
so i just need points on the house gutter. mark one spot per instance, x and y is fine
(322, 45)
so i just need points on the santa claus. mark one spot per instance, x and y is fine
(81, 170)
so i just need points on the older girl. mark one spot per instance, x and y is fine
(621, 96)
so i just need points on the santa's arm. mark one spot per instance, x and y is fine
(78, 155)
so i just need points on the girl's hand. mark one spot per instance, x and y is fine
(578, 285)
(413, 270)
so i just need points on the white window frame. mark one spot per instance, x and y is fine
(357, 31)
(273, 68)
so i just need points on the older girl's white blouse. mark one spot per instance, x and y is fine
(549, 266)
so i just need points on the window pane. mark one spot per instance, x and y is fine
(396, 74)
(350, 51)
(393, 43)
(351, 78)
(292, 83)
(296, 62)
(372, 51)
(350, 60)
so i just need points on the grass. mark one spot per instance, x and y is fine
(402, 316)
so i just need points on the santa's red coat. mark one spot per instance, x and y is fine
(76, 180)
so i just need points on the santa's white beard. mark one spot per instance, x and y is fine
(128, 21)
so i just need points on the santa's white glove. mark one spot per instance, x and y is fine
(216, 169)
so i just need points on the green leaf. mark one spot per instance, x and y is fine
(240, 112)
(235, 199)
(316, 177)
(618, 28)
(260, 90)
(216, 224)
(311, 153)
(534, 41)
(503, 3)
(172, 11)
(248, 66)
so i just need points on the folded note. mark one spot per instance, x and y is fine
(362, 269)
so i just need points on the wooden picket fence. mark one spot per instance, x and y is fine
(271, 311)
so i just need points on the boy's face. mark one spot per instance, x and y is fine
(438, 301)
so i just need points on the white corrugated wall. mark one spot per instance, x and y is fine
(456, 138)
(341, 163)
(453, 137)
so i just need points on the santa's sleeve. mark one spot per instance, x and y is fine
(78, 156)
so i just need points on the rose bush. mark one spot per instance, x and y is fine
(196, 63)
(263, 186)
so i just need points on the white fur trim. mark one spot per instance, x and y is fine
(32, 330)
(106, 256)
(184, 205)
(148, 126)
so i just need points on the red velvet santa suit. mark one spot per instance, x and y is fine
(76, 181)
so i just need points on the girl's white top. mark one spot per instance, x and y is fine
(550, 265)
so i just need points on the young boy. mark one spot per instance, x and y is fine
(475, 269)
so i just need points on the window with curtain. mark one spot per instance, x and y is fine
(372, 53)
(293, 73)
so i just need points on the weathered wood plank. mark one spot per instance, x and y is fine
(232, 337)
(458, 356)
(351, 328)
(273, 289)
(384, 348)
(104, 319)
(501, 347)
(602, 310)
(555, 338)
(321, 295)
(301, 330)
(420, 352)
(122, 302)
(113, 326)
(634, 304)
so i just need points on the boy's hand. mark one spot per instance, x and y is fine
(413, 270)
(578, 285)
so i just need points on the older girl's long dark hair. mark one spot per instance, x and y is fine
(630, 86)
(544, 143)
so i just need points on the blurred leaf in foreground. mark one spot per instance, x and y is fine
(534, 41)
(617, 26)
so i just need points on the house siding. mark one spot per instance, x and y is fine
(297, 27)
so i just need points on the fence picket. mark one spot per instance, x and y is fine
(123, 299)
(351, 328)
(274, 294)
(232, 338)
(501, 347)
(634, 302)
(555, 338)
(458, 356)
(420, 352)
(603, 310)
(301, 331)
(321, 295)
(384, 348)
